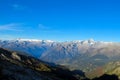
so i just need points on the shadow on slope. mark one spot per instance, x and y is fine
(107, 77)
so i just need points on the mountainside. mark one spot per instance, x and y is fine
(87, 55)
(14, 66)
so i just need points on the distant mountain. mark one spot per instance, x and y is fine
(86, 55)
(46, 48)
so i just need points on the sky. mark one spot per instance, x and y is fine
(60, 20)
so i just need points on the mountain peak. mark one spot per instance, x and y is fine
(19, 39)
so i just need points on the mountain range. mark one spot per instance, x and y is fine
(87, 55)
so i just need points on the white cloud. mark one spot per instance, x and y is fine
(15, 6)
(41, 26)
(18, 7)
(47, 29)
(11, 27)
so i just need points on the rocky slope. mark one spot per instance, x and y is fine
(14, 66)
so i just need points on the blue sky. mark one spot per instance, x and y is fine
(60, 20)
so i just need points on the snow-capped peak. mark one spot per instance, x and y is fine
(34, 40)
(30, 40)
(49, 41)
